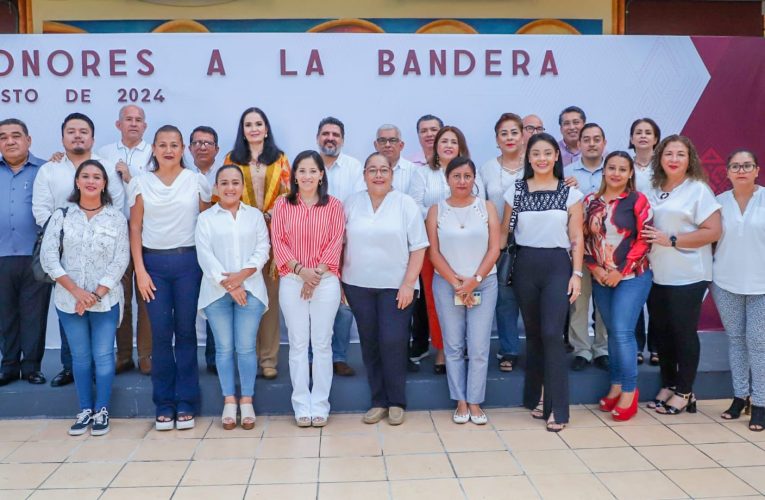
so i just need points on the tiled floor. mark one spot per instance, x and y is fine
(428, 457)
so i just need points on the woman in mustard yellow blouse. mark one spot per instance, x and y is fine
(266, 177)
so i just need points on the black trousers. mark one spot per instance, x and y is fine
(23, 315)
(675, 312)
(540, 283)
(384, 335)
(420, 330)
(645, 334)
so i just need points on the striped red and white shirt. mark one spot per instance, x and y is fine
(310, 235)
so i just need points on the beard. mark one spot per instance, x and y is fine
(79, 150)
(329, 150)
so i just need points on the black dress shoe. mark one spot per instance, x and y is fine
(439, 369)
(579, 364)
(124, 366)
(412, 367)
(64, 377)
(8, 377)
(602, 362)
(212, 369)
(35, 378)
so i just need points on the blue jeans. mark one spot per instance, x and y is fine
(209, 346)
(620, 307)
(471, 328)
(507, 313)
(91, 340)
(341, 333)
(66, 352)
(173, 312)
(235, 329)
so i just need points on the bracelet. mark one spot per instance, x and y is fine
(579, 273)
(294, 266)
(98, 297)
(298, 270)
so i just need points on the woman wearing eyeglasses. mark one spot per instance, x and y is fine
(739, 290)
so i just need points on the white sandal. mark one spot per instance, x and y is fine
(481, 419)
(228, 418)
(460, 418)
(303, 421)
(248, 416)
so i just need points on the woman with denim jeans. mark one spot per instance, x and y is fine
(232, 248)
(616, 253)
(165, 203)
(463, 231)
(87, 266)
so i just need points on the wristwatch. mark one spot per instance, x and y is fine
(478, 278)
(673, 240)
(579, 273)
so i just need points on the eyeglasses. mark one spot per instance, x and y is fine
(382, 141)
(374, 172)
(531, 129)
(742, 167)
(202, 144)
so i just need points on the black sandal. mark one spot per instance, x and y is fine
(640, 359)
(659, 403)
(690, 407)
(507, 362)
(654, 359)
(539, 410)
(738, 406)
(757, 420)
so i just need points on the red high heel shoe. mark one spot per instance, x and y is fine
(624, 414)
(608, 404)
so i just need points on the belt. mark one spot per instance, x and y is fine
(169, 251)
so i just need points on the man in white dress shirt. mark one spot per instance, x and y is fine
(131, 156)
(427, 128)
(345, 177)
(53, 185)
(389, 144)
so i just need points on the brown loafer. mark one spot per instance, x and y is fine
(123, 366)
(144, 365)
(269, 373)
(374, 415)
(396, 415)
(343, 369)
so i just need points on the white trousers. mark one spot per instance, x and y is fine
(310, 321)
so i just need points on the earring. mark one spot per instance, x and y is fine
(320, 182)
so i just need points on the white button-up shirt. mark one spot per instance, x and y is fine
(402, 175)
(227, 245)
(345, 177)
(210, 175)
(55, 182)
(136, 158)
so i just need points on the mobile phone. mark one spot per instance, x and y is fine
(476, 299)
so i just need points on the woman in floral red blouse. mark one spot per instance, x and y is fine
(616, 254)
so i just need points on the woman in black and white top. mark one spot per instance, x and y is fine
(548, 270)
(686, 223)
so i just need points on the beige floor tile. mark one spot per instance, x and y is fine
(282, 492)
(741, 427)
(216, 431)
(127, 428)
(471, 441)
(57, 430)
(428, 466)
(100, 450)
(7, 447)
(648, 435)
(734, 454)
(513, 421)
(209, 492)
(700, 483)
(288, 447)
(161, 493)
(613, 460)
(351, 469)
(435, 489)
(675, 456)
(594, 437)
(485, 463)
(443, 422)
(350, 445)
(373, 490)
(201, 425)
(584, 418)
(15, 494)
(643, 417)
(217, 472)
(570, 486)
(43, 451)
(347, 424)
(550, 462)
(498, 488)
(537, 439)
(403, 444)
(68, 494)
(83, 475)
(415, 421)
(285, 470)
(165, 473)
(18, 476)
(285, 427)
(706, 433)
(682, 418)
(222, 449)
(21, 430)
(159, 449)
(640, 485)
(755, 476)
(713, 409)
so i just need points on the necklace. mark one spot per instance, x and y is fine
(510, 170)
(460, 220)
(642, 166)
(90, 209)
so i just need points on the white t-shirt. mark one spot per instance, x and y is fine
(740, 252)
(378, 243)
(686, 207)
(496, 182)
(546, 226)
(169, 212)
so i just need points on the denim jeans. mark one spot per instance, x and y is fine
(173, 312)
(91, 340)
(620, 307)
(341, 333)
(462, 327)
(235, 329)
(209, 345)
(66, 352)
(507, 313)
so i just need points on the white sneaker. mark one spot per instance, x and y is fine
(80, 426)
(100, 423)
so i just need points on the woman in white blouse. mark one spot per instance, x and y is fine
(738, 286)
(384, 249)
(686, 223)
(165, 203)
(232, 248)
(87, 264)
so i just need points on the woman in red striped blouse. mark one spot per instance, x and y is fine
(307, 237)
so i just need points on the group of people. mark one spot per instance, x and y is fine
(327, 238)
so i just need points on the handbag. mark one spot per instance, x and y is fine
(507, 255)
(37, 270)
